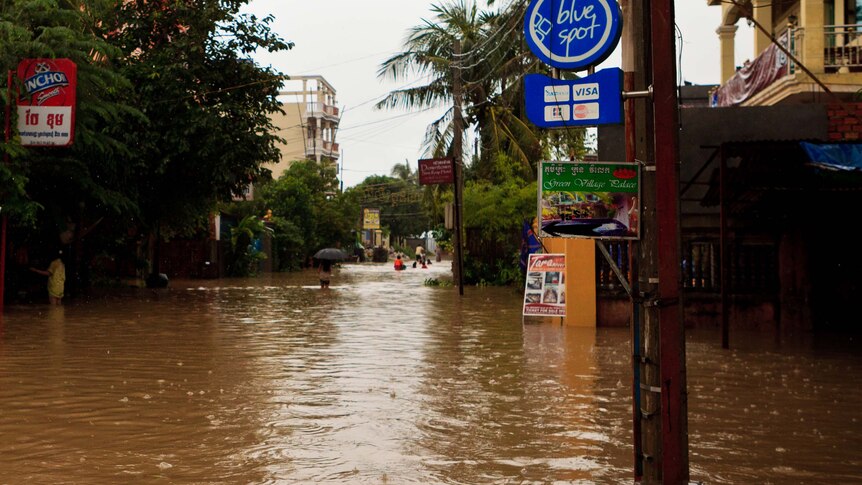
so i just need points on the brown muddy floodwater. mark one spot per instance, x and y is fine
(383, 380)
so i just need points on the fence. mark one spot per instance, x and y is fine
(753, 267)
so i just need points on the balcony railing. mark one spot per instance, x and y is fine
(842, 45)
(321, 147)
(318, 110)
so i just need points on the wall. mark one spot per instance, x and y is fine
(844, 122)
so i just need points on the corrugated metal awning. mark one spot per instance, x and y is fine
(765, 177)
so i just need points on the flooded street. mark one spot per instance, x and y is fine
(382, 379)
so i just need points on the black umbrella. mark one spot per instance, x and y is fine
(332, 254)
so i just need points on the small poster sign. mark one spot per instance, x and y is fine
(545, 289)
(371, 218)
(46, 108)
(436, 171)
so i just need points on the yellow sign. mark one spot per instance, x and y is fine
(371, 218)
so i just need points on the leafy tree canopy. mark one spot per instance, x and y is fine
(207, 132)
(308, 213)
(92, 172)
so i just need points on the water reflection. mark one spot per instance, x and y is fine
(382, 379)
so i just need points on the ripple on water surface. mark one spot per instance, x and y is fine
(384, 379)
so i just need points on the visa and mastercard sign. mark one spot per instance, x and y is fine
(590, 100)
(46, 107)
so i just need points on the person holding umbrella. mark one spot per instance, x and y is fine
(324, 270)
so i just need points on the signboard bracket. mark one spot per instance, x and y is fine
(638, 94)
(616, 269)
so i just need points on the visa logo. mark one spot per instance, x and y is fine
(585, 92)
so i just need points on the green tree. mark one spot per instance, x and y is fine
(244, 256)
(207, 132)
(491, 66)
(90, 174)
(403, 211)
(308, 213)
(496, 212)
(57, 195)
(402, 171)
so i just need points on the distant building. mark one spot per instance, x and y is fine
(309, 123)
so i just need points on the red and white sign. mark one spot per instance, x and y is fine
(545, 289)
(46, 107)
(436, 171)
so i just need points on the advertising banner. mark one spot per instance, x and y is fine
(770, 66)
(545, 289)
(589, 199)
(436, 171)
(371, 218)
(46, 107)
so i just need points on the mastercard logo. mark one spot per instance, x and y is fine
(581, 111)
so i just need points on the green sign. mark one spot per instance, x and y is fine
(589, 199)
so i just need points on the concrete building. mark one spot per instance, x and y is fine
(770, 168)
(309, 123)
(823, 38)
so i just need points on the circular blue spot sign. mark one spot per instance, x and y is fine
(573, 34)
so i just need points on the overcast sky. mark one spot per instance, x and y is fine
(345, 41)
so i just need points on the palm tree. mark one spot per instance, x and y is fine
(491, 67)
(403, 172)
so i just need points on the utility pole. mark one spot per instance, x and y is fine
(457, 140)
(7, 133)
(665, 304)
(638, 124)
(658, 359)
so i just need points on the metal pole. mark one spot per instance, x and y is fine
(722, 250)
(635, 64)
(2, 261)
(457, 130)
(7, 131)
(674, 409)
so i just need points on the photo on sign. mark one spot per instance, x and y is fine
(587, 213)
(550, 296)
(534, 281)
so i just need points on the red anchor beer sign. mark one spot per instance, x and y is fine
(46, 103)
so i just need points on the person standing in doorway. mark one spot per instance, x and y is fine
(324, 272)
(56, 274)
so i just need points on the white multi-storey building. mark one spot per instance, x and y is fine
(309, 123)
